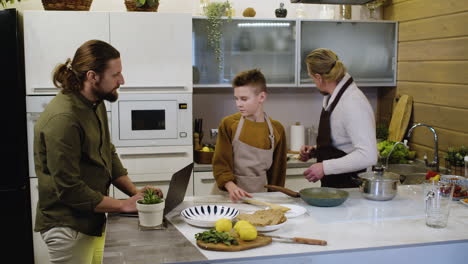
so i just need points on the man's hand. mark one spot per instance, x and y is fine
(156, 190)
(235, 192)
(306, 152)
(314, 172)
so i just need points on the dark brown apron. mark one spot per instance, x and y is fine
(326, 151)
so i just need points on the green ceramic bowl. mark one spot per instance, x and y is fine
(323, 196)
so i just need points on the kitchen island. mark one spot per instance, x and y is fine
(358, 231)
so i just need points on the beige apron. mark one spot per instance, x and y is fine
(251, 163)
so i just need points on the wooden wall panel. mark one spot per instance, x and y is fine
(418, 9)
(455, 72)
(433, 69)
(453, 95)
(434, 50)
(453, 25)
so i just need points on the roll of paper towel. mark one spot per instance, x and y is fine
(297, 137)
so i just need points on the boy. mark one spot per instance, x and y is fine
(251, 147)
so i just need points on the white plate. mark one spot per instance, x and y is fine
(463, 202)
(207, 215)
(269, 228)
(295, 211)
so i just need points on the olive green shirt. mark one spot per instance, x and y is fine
(75, 163)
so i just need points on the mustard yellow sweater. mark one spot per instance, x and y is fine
(254, 134)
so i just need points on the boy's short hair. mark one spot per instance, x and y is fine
(252, 77)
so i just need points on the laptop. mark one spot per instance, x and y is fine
(177, 188)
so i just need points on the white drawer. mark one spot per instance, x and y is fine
(150, 160)
(203, 183)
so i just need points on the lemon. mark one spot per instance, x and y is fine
(247, 232)
(223, 225)
(240, 224)
(205, 149)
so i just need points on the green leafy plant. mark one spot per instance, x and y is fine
(381, 131)
(214, 11)
(5, 2)
(455, 157)
(150, 3)
(150, 197)
(213, 236)
(399, 155)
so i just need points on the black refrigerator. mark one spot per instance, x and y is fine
(16, 230)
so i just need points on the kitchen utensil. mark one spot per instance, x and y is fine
(317, 196)
(271, 205)
(400, 118)
(243, 245)
(300, 240)
(207, 215)
(378, 185)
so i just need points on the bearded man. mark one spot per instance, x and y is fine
(75, 161)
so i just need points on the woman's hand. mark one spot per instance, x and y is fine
(156, 190)
(306, 152)
(235, 192)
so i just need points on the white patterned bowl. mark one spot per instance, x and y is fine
(207, 215)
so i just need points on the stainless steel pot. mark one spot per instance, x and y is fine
(379, 185)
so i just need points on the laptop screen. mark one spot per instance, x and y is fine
(177, 188)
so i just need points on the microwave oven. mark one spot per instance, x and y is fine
(152, 120)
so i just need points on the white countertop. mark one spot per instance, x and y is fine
(356, 224)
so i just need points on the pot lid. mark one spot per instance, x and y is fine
(380, 176)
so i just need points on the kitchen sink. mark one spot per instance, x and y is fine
(409, 173)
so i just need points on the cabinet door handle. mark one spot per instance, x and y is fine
(45, 90)
(154, 88)
(130, 153)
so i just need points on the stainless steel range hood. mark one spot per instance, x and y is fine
(332, 2)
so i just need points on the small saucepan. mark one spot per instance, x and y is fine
(316, 196)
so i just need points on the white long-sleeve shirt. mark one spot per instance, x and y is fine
(352, 125)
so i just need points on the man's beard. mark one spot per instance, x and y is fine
(111, 96)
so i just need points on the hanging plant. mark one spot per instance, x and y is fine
(214, 12)
(5, 2)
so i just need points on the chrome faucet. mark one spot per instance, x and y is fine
(435, 162)
(390, 153)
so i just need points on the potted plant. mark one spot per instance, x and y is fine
(76, 5)
(142, 5)
(214, 11)
(5, 2)
(454, 160)
(150, 209)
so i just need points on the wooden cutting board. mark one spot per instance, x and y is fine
(400, 118)
(260, 241)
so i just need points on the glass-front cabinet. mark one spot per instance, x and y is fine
(269, 45)
(367, 49)
(278, 47)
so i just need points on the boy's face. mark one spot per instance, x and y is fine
(248, 103)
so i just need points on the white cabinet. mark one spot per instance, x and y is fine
(50, 37)
(295, 180)
(156, 50)
(203, 183)
(41, 253)
(154, 166)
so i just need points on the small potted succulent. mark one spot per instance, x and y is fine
(150, 209)
(454, 160)
(142, 5)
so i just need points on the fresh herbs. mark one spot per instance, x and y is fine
(150, 197)
(213, 236)
(381, 131)
(150, 3)
(455, 157)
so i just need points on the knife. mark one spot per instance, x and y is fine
(299, 240)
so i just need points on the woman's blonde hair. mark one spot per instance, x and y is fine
(326, 63)
(92, 55)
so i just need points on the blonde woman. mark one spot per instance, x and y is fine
(346, 143)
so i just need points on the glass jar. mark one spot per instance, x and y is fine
(345, 12)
